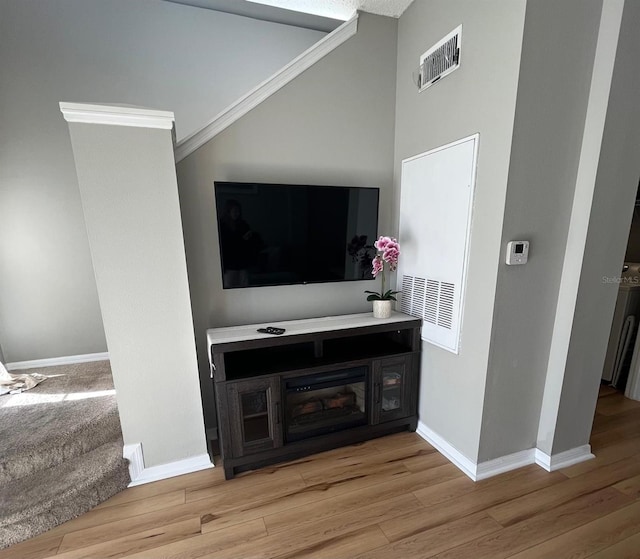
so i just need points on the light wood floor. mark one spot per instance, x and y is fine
(391, 498)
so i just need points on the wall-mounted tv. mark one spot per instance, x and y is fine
(284, 234)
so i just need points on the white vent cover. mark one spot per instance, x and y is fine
(435, 223)
(440, 60)
(430, 300)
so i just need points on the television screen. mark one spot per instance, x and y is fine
(276, 234)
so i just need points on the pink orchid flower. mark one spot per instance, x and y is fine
(388, 251)
(377, 266)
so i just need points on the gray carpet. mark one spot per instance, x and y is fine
(60, 450)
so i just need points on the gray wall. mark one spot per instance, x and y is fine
(611, 211)
(150, 53)
(633, 242)
(130, 199)
(553, 89)
(333, 125)
(475, 98)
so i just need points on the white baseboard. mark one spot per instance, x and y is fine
(141, 475)
(475, 471)
(53, 361)
(506, 463)
(467, 466)
(133, 453)
(563, 459)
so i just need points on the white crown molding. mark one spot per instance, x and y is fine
(53, 361)
(563, 459)
(117, 115)
(141, 475)
(267, 88)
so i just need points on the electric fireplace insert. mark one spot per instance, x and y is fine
(325, 402)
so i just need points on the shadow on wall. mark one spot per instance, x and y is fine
(633, 244)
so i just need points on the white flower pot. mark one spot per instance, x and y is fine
(382, 309)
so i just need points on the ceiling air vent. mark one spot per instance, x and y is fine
(440, 60)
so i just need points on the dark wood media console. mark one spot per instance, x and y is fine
(324, 383)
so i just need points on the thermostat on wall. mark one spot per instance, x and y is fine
(517, 252)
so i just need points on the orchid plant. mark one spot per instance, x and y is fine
(388, 251)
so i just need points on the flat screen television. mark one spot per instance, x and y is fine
(284, 234)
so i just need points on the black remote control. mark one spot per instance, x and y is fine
(272, 330)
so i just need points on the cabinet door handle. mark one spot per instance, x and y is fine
(376, 394)
(277, 413)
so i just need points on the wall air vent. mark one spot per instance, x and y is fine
(440, 60)
(428, 299)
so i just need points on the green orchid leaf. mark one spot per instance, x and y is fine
(374, 297)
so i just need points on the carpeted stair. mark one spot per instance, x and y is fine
(60, 450)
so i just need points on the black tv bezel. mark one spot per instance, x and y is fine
(292, 185)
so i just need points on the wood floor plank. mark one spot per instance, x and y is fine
(367, 464)
(612, 436)
(100, 517)
(207, 478)
(312, 534)
(346, 545)
(467, 503)
(399, 440)
(205, 509)
(630, 486)
(436, 494)
(242, 484)
(606, 422)
(441, 538)
(590, 538)
(342, 523)
(321, 461)
(298, 546)
(424, 459)
(604, 456)
(616, 404)
(528, 533)
(309, 535)
(311, 498)
(544, 499)
(237, 490)
(36, 548)
(148, 540)
(206, 544)
(354, 454)
(606, 390)
(357, 499)
(626, 549)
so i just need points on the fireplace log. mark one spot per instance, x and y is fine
(340, 400)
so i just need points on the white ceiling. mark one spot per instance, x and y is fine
(340, 9)
(321, 15)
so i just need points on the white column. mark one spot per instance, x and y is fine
(126, 174)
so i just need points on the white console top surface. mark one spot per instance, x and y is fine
(296, 327)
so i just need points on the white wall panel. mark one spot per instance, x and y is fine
(435, 221)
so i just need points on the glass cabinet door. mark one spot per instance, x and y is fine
(255, 415)
(394, 388)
